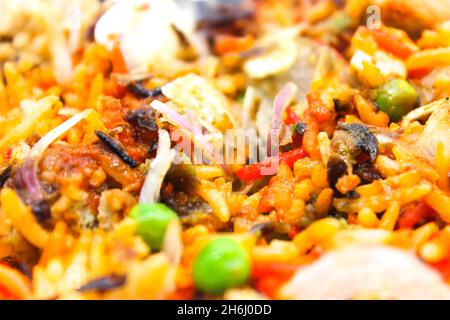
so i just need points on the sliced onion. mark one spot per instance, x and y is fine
(158, 169)
(27, 176)
(281, 102)
(28, 172)
(173, 245)
(39, 148)
(192, 129)
(422, 112)
(172, 115)
(62, 59)
(248, 106)
(172, 250)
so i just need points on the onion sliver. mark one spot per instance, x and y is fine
(39, 148)
(158, 169)
(281, 102)
(195, 135)
(28, 172)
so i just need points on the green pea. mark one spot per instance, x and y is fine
(222, 264)
(396, 97)
(152, 220)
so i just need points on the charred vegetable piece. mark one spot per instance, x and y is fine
(397, 97)
(336, 168)
(222, 264)
(300, 128)
(353, 195)
(41, 211)
(15, 263)
(367, 172)
(413, 214)
(143, 118)
(142, 92)
(184, 41)
(6, 173)
(152, 220)
(115, 147)
(104, 283)
(364, 139)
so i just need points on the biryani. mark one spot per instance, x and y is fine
(259, 149)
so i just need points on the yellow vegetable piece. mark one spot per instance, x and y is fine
(22, 218)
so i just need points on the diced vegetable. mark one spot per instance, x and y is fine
(291, 117)
(430, 58)
(117, 59)
(354, 138)
(253, 172)
(227, 44)
(222, 264)
(392, 43)
(413, 214)
(444, 268)
(13, 284)
(396, 98)
(152, 221)
(22, 218)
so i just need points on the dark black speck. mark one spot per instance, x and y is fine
(365, 139)
(143, 118)
(104, 283)
(142, 92)
(367, 172)
(338, 105)
(18, 265)
(336, 168)
(300, 128)
(41, 211)
(6, 173)
(353, 195)
(115, 147)
(153, 148)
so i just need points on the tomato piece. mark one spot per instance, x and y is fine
(181, 294)
(418, 73)
(444, 268)
(118, 61)
(271, 276)
(226, 44)
(270, 286)
(319, 110)
(282, 270)
(391, 43)
(6, 294)
(249, 173)
(292, 156)
(113, 89)
(13, 284)
(253, 172)
(413, 214)
(291, 117)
